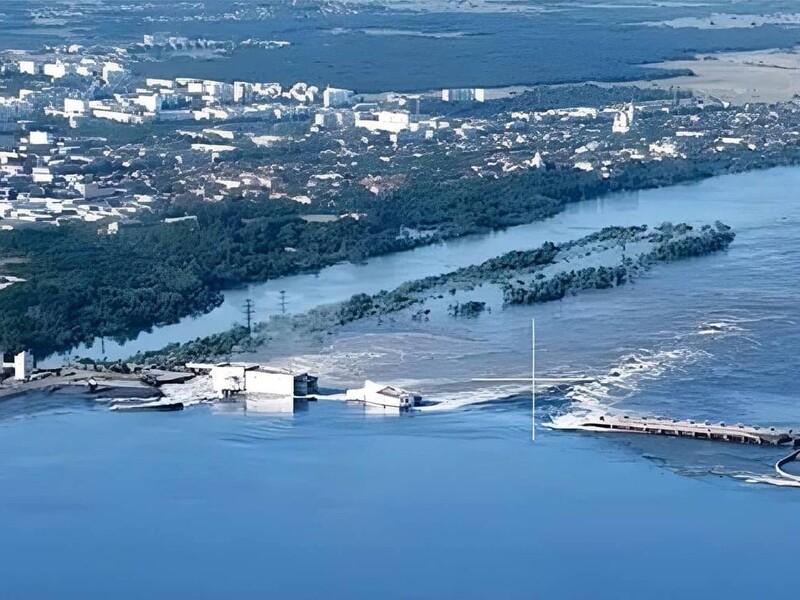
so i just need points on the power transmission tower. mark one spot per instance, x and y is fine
(248, 312)
(283, 302)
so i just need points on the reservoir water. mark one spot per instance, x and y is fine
(456, 502)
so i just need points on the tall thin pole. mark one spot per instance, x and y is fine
(533, 380)
(283, 302)
(248, 311)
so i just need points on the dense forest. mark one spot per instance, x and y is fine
(80, 285)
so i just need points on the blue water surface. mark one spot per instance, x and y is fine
(331, 503)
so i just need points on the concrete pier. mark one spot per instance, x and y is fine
(742, 434)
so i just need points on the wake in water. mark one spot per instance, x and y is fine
(633, 372)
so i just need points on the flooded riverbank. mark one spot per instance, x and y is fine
(729, 198)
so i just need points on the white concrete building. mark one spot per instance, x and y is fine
(251, 378)
(242, 91)
(149, 102)
(387, 396)
(74, 107)
(21, 363)
(41, 175)
(93, 190)
(388, 121)
(159, 83)
(208, 113)
(334, 97)
(39, 138)
(55, 70)
(27, 67)
(7, 155)
(464, 95)
(217, 91)
(194, 87)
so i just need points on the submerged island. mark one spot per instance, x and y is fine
(609, 258)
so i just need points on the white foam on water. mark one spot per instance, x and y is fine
(568, 421)
(718, 327)
(634, 371)
(463, 398)
(195, 391)
(627, 377)
(383, 356)
(122, 403)
(353, 360)
(767, 479)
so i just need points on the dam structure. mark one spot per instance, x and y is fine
(743, 434)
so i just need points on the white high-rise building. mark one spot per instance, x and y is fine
(242, 91)
(623, 120)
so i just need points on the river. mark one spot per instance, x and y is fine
(727, 198)
(457, 501)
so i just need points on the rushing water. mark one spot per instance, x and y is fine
(459, 502)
